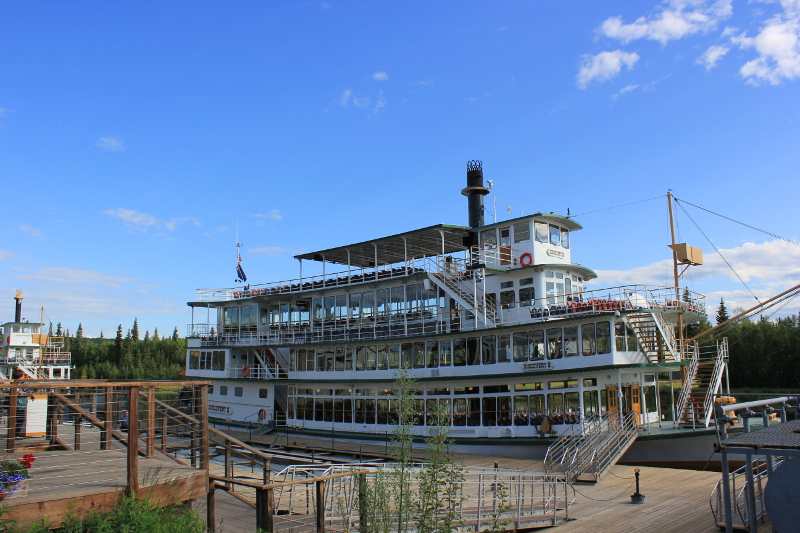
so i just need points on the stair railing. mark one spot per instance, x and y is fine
(667, 334)
(691, 353)
(738, 489)
(716, 379)
(618, 439)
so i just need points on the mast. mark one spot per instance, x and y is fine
(675, 268)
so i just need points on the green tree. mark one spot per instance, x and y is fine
(135, 330)
(722, 312)
(175, 335)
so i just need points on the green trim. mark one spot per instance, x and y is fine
(568, 222)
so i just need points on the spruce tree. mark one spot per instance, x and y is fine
(155, 335)
(59, 332)
(722, 312)
(175, 335)
(135, 330)
(118, 345)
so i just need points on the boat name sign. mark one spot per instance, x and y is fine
(555, 253)
(219, 408)
(542, 365)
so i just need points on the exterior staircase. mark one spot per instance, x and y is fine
(587, 454)
(655, 335)
(458, 282)
(705, 367)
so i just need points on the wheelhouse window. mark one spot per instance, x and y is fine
(555, 235)
(564, 238)
(522, 232)
(541, 231)
(489, 237)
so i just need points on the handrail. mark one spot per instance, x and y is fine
(716, 380)
(760, 472)
(691, 373)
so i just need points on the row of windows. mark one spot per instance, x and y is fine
(518, 410)
(206, 360)
(550, 343)
(543, 232)
(447, 391)
(237, 391)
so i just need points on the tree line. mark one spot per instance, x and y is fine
(127, 356)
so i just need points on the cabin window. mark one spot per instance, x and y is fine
(383, 357)
(489, 237)
(445, 353)
(489, 350)
(520, 410)
(587, 339)
(619, 337)
(631, 338)
(419, 355)
(571, 341)
(367, 304)
(522, 232)
(529, 386)
(231, 316)
(263, 393)
(265, 315)
(507, 299)
(194, 360)
(460, 412)
(554, 343)
(223, 390)
(591, 403)
(490, 411)
(459, 352)
(525, 281)
(506, 284)
(473, 351)
(603, 337)
(348, 358)
(372, 357)
(541, 231)
(555, 402)
(361, 357)
(218, 360)
(526, 296)
(536, 403)
(503, 348)
(355, 305)
(238, 391)
(537, 347)
(521, 349)
(564, 238)
(338, 359)
(432, 353)
(555, 235)
(394, 356)
(505, 237)
(568, 286)
(408, 354)
(382, 302)
(572, 401)
(550, 287)
(398, 299)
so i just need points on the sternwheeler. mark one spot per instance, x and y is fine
(496, 324)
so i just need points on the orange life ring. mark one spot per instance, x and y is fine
(526, 259)
(245, 371)
(262, 414)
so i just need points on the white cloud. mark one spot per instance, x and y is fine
(604, 66)
(273, 251)
(28, 229)
(142, 222)
(275, 214)
(675, 20)
(4, 111)
(380, 76)
(5, 255)
(112, 144)
(712, 55)
(778, 48)
(626, 89)
(362, 102)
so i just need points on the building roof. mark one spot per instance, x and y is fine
(424, 242)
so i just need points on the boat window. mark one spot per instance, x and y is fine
(419, 355)
(432, 354)
(571, 341)
(372, 357)
(414, 297)
(361, 357)
(489, 350)
(408, 355)
(631, 338)
(572, 401)
(521, 349)
(265, 315)
(459, 352)
(550, 287)
(525, 281)
(619, 337)
(382, 302)
(587, 339)
(529, 386)
(355, 305)
(348, 358)
(559, 275)
(460, 412)
(590, 382)
(218, 360)
(503, 348)
(555, 402)
(398, 300)
(536, 342)
(263, 393)
(555, 235)
(603, 337)
(394, 356)
(474, 412)
(310, 360)
(506, 284)
(549, 274)
(383, 357)
(489, 237)
(522, 232)
(568, 286)
(338, 356)
(554, 343)
(231, 316)
(591, 402)
(526, 296)
(505, 237)
(367, 304)
(194, 359)
(564, 238)
(445, 353)
(520, 410)
(223, 390)
(330, 307)
(473, 351)
(507, 299)
(238, 391)
(541, 231)
(536, 403)
(490, 411)
(341, 306)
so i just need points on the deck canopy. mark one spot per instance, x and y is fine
(439, 239)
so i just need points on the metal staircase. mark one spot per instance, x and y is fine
(270, 364)
(704, 371)
(738, 487)
(585, 455)
(465, 286)
(655, 335)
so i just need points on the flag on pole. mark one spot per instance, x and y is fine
(240, 275)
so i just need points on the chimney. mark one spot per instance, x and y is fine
(18, 311)
(475, 191)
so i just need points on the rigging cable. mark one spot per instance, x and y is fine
(740, 223)
(718, 252)
(616, 206)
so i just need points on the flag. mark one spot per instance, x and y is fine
(240, 275)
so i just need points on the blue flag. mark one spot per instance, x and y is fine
(240, 275)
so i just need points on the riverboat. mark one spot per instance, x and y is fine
(494, 322)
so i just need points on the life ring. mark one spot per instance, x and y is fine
(245, 371)
(262, 414)
(526, 259)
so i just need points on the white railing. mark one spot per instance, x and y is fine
(257, 371)
(716, 379)
(738, 490)
(667, 333)
(691, 352)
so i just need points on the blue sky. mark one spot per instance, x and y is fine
(134, 136)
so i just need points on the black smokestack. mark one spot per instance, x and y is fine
(475, 191)
(18, 311)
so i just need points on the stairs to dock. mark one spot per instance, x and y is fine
(704, 371)
(465, 286)
(586, 455)
(655, 335)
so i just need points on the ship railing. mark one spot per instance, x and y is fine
(715, 384)
(738, 491)
(256, 371)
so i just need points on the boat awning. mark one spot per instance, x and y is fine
(439, 239)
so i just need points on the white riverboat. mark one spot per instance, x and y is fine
(495, 322)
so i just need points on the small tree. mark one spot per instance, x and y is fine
(722, 312)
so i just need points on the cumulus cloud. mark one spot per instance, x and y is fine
(675, 20)
(712, 55)
(28, 229)
(380, 76)
(604, 66)
(111, 144)
(777, 45)
(139, 222)
(274, 251)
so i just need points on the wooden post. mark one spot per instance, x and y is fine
(228, 466)
(211, 519)
(133, 441)
(11, 439)
(264, 510)
(151, 420)
(205, 457)
(105, 431)
(319, 485)
(77, 431)
(52, 420)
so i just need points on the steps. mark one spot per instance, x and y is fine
(655, 336)
(462, 289)
(704, 371)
